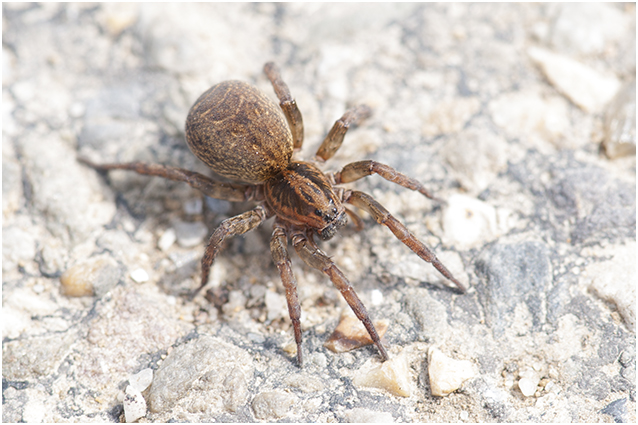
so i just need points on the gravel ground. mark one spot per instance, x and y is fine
(520, 116)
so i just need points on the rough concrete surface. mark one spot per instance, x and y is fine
(502, 109)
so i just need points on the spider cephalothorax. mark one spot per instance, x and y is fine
(242, 135)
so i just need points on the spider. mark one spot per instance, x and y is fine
(242, 136)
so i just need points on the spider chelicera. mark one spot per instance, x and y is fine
(242, 135)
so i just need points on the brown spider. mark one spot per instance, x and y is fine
(242, 135)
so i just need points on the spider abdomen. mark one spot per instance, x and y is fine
(302, 195)
(239, 133)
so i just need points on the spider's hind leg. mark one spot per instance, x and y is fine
(209, 187)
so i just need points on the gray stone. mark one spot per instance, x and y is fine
(513, 274)
(428, 314)
(33, 358)
(190, 234)
(198, 371)
(617, 410)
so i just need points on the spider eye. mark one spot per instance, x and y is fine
(334, 211)
(318, 212)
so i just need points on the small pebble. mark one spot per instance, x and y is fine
(167, 239)
(351, 334)
(190, 234)
(139, 275)
(376, 297)
(527, 387)
(447, 374)
(141, 380)
(392, 375)
(94, 276)
(134, 405)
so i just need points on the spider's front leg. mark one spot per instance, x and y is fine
(357, 170)
(278, 243)
(311, 255)
(334, 139)
(383, 216)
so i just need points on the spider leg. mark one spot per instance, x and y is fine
(357, 170)
(232, 226)
(382, 216)
(358, 223)
(209, 187)
(287, 103)
(311, 255)
(280, 256)
(334, 139)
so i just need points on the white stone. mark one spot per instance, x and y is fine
(586, 87)
(447, 374)
(392, 375)
(614, 280)
(527, 387)
(376, 297)
(167, 239)
(468, 222)
(139, 275)
(134, 405)
(141, 380)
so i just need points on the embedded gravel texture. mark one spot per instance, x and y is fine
(520, 115)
